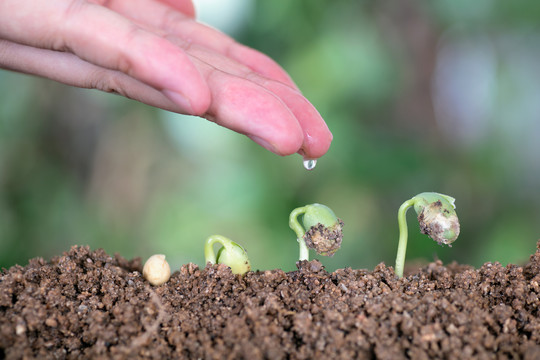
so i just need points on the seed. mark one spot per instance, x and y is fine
(157, 270)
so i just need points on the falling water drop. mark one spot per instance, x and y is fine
(309, 164)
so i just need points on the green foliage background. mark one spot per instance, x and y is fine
(420, 96)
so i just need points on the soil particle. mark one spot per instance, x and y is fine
(87, 304)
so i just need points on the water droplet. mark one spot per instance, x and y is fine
(309, 164)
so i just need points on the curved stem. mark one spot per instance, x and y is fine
(402, 244)
(209, 255)
(299, 231)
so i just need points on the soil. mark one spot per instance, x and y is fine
(87, 304)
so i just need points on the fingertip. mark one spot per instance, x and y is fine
(316, 135)
(316, 143)
(283, 137)
(250, 109)
(288, 143)
(280, 148)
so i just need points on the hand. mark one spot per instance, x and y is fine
(155, 52)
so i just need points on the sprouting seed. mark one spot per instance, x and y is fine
(230, 254)
(437, 218)
(324, 231)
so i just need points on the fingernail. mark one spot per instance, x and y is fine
(179, 99)
(265, 144)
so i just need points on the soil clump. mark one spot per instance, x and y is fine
(87, 304)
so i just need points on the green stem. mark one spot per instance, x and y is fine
(300, 231)
(402, 244)
(209, 254)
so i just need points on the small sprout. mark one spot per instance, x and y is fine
(324, 230)
(437, 218)
(230, 254)
(156, 270)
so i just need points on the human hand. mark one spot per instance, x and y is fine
(155, 52)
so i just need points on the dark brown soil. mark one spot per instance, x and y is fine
(87, 304)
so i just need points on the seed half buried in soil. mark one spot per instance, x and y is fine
(156, 270)
(325, 240)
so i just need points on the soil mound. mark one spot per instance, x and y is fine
(87, 304)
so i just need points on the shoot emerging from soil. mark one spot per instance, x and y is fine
(231, 254)
(324, 230)
(437, 218)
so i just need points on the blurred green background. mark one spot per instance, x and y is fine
(420, 96)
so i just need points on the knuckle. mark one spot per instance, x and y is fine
(106, 81)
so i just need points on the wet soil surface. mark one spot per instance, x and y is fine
(87, 304)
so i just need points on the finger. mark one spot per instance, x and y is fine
(316, 135)
(71, 70)
(245, 106)
(172, 22)
(250, 109)
(118, 45)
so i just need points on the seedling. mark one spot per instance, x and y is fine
(230, 254)
(324, 230)
(437, 218)
(156, 270)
